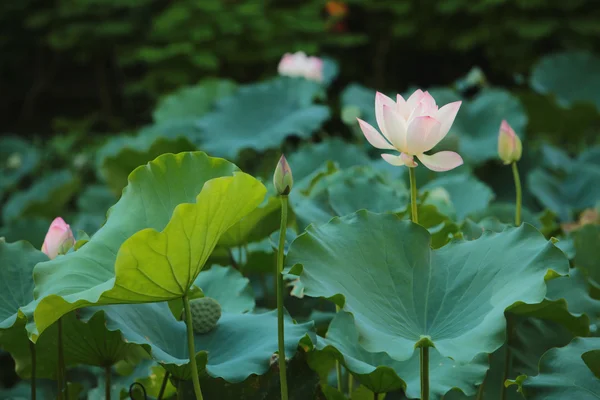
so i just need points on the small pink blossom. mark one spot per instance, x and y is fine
(413, 127)
(59, 238)
(510, 147)
(300, 65)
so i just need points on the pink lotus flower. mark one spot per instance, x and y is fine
(59, 239)
(300, 65)
(510, 147)
(413, 127)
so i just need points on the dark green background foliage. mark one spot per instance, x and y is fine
(102, 64)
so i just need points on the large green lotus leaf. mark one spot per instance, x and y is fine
(571, 76)
(586, 241)
(575, 289)
(260, 116)
(228, 287)
(381, 374)
(84, 343)
(256, 226)
(478, 121)
(567, 372)
(16, 279)
(122, 154)
(467, 193)
(575, 190)
(193, 101)
(402, 293)
(18, 158)
(174, 198)
(311, 157)
(240, 345)
(45, 198)
(505, 213)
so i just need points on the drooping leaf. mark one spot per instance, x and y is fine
(45, 198)
(260, 116)
(381, 374)
(571, 76)
(156, 239)
(193, 101)
(402, 293)
(567, 371)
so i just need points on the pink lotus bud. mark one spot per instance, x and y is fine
(282, 178)
(509, 144)
(59, 238)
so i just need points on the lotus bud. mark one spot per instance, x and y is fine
(59, 239)
(282, 178)
(509, 144)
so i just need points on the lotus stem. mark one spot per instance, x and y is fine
(518, 193)
(33, 368)
(375, 396)
(413, 195)
(60, 372)
(350, 385)
(338, 366)
(163, 386)
(424, 373)
(191, 348)
(107, 372)
(279, 279)
(180, 389)
(507, 356)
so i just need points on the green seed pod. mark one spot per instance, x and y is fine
(206, 312)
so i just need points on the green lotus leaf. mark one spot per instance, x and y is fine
(260, 116)
(18, 158)
(574, 191)
(381, 374)
(362, 99)
(45, 198)
(122, 154)
(155, 241)
(478, 122)
(193, 101)
(383, 271)
(575, 289)
(240, 345)
(31, 229)
(571, 76)
(586, 241)
(309, 158)
(257, 225)
(467, 193)
(505, 213)
(568, 371)
(228, 287)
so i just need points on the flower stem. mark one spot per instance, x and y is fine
(518, 193)
(338, 366)
(163, 386)
(107, 372)
(507, 356)
(279, 279)
(191, 348)
(424, 373)
(413, 195)
(350, 385)
(33, 368)
(60, 371)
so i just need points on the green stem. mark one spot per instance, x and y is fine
(518, 193)
(163, 386)
(107, 373)
(191, 348)
(507, 356)
(482, 386)
(375, 396)
(180, 389)
(60, 371)
(33, 369)
(350, 385)
(413, 195)
(424, 373)
(279, 279)
(338, 366)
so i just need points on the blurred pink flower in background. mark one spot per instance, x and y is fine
(300, 65)
(413, 127)
(59, 238)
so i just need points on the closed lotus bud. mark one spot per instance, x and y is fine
(282, 178)
(59, 239)
(509, 144)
